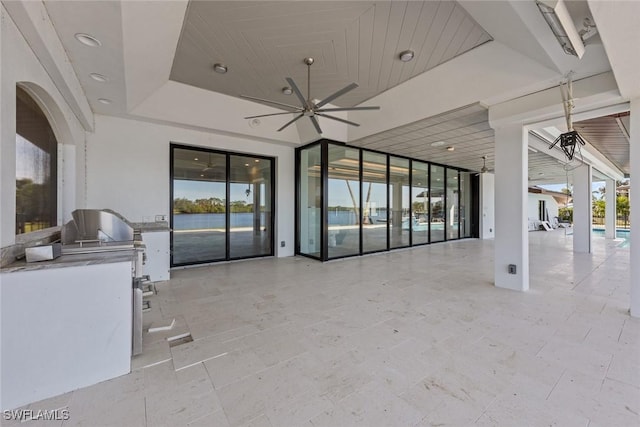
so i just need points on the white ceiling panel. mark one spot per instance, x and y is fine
(261, 43)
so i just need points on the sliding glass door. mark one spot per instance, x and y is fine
(352, 201)
(222, 206)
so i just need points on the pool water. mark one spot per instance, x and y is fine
(620, 234)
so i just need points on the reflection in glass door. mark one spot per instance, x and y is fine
(452, 213)
(199, 206)
(437, 203)
(374, 196)
(420, 202)
(343, 203)
(221, 206)
(401, 222)
(249, 207)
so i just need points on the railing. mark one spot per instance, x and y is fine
(622, 221)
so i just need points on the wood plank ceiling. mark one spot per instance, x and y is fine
(262, 42)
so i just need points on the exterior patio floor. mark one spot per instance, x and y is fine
(416, 337)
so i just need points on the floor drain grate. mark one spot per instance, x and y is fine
(180, 339)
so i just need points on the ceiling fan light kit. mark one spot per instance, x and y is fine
(308, 108)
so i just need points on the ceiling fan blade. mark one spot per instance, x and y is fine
(291, 121)
(324, 110)
(273, 114)
(338, 119)
(337, 94)
(296, 90)
(271, 102)
(316, 124)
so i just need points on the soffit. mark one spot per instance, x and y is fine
(610, 136)
(263, 42)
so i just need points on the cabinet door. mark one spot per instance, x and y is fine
(157, 250)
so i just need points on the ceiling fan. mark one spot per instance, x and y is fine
(308, 107)
(484, 168)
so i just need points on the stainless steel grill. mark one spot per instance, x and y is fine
(103, 230)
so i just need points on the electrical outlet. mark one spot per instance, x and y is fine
(512, 269)
(282, 244)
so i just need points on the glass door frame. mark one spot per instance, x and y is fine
(272, 161)
(324, 183)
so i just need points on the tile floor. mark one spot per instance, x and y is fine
(417, 337)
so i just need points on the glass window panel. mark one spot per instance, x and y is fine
(343, 235)
(452, 204)
(250, 232)
(199, 206)
(309, 216)
(437, 203)
(374, 190)
(420, 202)
(36, 167)
(465, 204)
(401, 223)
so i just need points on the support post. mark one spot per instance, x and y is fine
(634, 194)
(582, 205)
(487, 206)
(511, 238)
(610, 209)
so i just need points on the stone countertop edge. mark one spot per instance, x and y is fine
(72, 260)
(148, 227)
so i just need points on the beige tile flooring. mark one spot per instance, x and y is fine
(417, 337)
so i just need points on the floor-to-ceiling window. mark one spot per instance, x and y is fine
(309, 218)
(436, 201)
(343, 201)
(352, 201)
(420, 202)
(401, 221)
(466, 204)
(221, 206)
(374, 196)
(250, 210)
(36, 167)
(452, 214)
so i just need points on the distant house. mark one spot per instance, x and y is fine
(543, 206)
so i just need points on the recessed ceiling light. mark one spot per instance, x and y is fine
(88, 40)
(220, 68)
(99, 77)
(104, 101)
(287, 90)
(195, 158)
(257, 161)
(246, 164)
(201, 174)
(451, 148)
(406, 55)
(437, 144)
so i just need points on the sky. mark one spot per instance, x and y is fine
(595, 185)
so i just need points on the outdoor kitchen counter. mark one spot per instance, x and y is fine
(66, 324)
(73, 260)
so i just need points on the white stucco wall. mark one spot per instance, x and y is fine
(552, 206)
(128, 169)
(21, 66)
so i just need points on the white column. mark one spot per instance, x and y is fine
(511, 239)
(610, 209)
(487, 205)
(582, 209)
(634, 194)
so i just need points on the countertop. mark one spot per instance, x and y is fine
(72, 260)
(148, 227)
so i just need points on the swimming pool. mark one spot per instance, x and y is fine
(620, 234)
